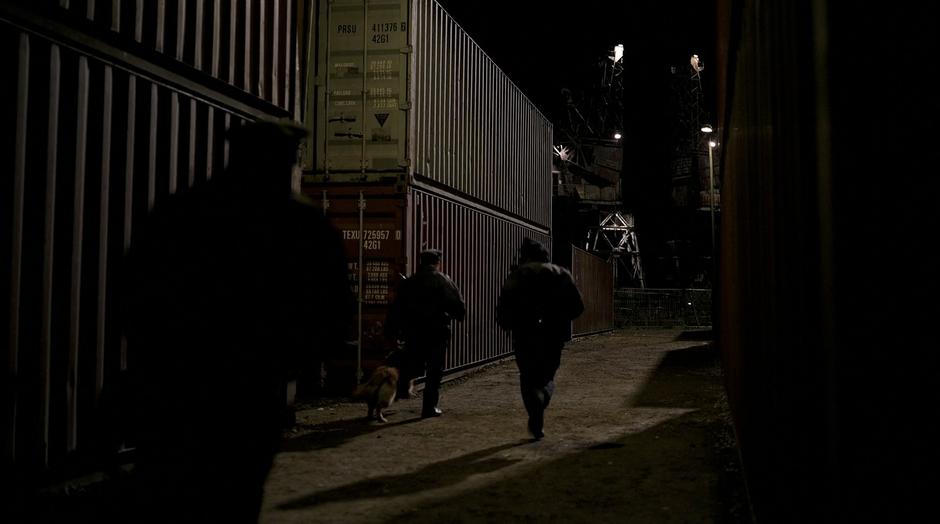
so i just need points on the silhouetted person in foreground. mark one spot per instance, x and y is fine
(232, 289)
(421, 314)
(537, 303)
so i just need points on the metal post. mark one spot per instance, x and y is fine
(362, 207)
(322, 377)
(711, 203)
(365, 85)
(327, 94)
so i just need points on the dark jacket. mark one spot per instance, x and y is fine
(232, 286)
(424, 306)
(539, 297)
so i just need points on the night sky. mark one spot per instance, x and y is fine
(544, 47)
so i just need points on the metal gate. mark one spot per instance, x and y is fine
(594, 277)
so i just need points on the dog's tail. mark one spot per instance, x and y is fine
(360, 392)
(382, 375)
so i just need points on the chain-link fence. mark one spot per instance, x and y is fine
(663, 307)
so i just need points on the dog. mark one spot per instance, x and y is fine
(401, 360)
(379, 391)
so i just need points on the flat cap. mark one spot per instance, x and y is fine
(430, 256)
(532, 251)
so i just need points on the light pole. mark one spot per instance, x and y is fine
(707, 129)
(711, 189)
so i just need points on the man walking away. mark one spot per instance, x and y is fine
(537, 303)
(420, 315)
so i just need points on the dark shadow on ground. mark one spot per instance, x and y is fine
(681, 380)
(432, 476)
(696, 334)
(100, 502)
(685, 469)
(667, 473)
(333, 434)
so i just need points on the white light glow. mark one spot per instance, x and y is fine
(564, 154)
(618, 53)
(707, 128)
(712, 143)
(617, 136)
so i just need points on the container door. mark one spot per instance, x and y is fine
(377, 237)
(362, 126)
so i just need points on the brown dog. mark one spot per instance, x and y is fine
(379, 391)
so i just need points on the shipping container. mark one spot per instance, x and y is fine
(409, 115)
(384, 227)
(112, 106)
(400, 91)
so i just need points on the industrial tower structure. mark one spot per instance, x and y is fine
(691, 178)
(589, 165)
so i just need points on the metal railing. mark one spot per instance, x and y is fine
(662, 307)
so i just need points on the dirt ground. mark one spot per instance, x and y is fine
(638, 431)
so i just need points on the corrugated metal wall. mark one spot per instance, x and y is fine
(772, 314)
(594, 277)
(479, 249)
(104, 130)
(248, 44)
(476, 132)
(825, 312)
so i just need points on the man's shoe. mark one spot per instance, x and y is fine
(436, 412)
(535, 428)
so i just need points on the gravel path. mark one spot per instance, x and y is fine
(638, 431)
